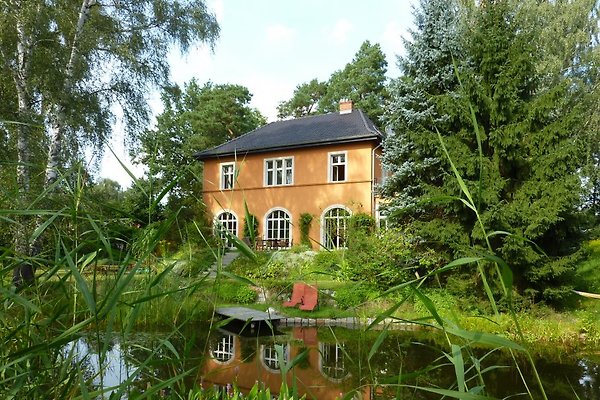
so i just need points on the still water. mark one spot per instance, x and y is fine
(329, 363)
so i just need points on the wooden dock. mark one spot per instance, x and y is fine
(247, 314)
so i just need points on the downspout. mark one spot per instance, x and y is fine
(373, 181)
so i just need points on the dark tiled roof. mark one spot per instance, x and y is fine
(300, 132)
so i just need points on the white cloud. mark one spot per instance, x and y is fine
(279, 33)
(341, 30)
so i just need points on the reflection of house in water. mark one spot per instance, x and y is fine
(332, 361)
(244, 362)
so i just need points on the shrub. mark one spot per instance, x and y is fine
(328, 260)
(279, 265)
(305, 221)
(244, 266)
(385, 258)
(355, 294)
(361, 223)
(191, 260)
(444, 302)
(234, 292)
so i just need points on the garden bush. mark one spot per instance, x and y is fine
(385, 258)
(328, 261)
(191, 260)
(353, 295)
(234, 292)
(445, 303)
(248, 268)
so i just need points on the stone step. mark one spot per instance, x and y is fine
(226, 259)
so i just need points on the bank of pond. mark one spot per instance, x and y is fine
(323, 363)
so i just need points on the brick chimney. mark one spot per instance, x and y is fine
(345, 106)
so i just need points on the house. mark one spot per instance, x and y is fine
(323, 165)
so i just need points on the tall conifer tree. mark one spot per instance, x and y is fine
(531, 120)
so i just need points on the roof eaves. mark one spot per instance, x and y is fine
(199, 156)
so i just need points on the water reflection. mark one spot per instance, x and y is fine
(337, 362)
(322, 374)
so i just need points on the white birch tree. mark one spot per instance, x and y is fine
(71, 62)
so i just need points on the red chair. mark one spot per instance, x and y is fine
(297, 295)
(310, 299)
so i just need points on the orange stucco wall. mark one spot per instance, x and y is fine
(311, 191)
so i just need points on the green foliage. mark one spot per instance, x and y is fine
(523, 164)
(251, 228)
(362, 80)
(353, 295)
(385, 258)
(56, 51)
(445, 303)
(191, 260)
(329, 260)
(361, 223)
(194, 118)
(588, 269)
(246, 267)
(235, 292)
(304, 101)
(305, 221)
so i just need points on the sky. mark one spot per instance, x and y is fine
(272, 46)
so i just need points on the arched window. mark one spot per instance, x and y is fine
(335, 227)
(224, 349)
(332, 361)
(226, 222)
(278, 227)
(270, 358)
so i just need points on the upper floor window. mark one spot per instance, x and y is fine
(279, 171)
(227, 175)
(337, 167)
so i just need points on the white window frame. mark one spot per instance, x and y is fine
(284, 169)
(269, 358)
(218, 225)
(223, 351)
(331, 165)
(223, 175)
(266, 225)
(332, 359)
(324, 226)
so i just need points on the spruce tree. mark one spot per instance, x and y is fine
(530, 118)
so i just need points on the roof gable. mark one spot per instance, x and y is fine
(300, 132)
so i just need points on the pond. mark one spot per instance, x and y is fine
(329, 363)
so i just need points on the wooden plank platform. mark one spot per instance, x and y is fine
(245, 314)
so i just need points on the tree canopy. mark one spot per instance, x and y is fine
(362, 80)
(524, 165)
(64, 65)
(194, 118)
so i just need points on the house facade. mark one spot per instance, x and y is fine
(324, 165)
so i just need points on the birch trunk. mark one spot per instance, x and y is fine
(57, 112)
(23, 272)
